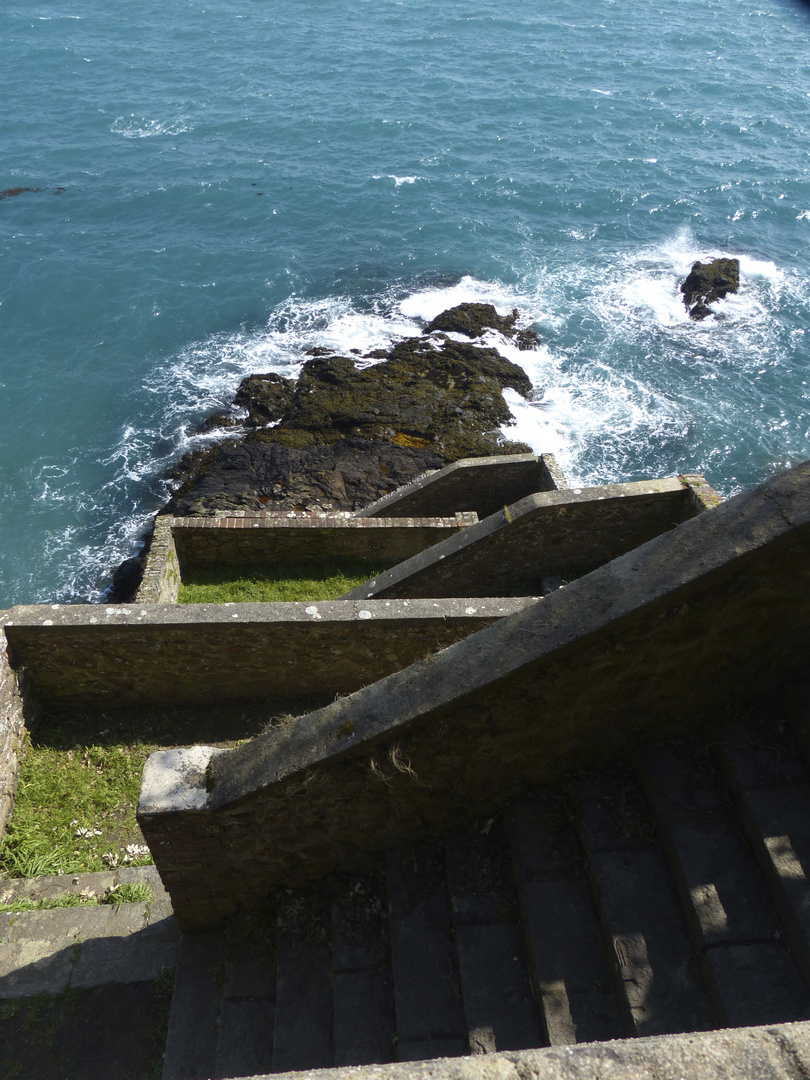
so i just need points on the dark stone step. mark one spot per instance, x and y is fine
(495, 983)
(192, 1036)
(570, 965)
(303, 1033)
(750, 974)
(427, 994)
(247, 1012)
(765, 768)
(363, 995)
(656, 972)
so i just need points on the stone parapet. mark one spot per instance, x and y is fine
(655, 642)
(775, 1052)
(545, 539)
(131, 654)
(483, 484)
(262, 539)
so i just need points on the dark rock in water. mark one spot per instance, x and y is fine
(265, 398)
(10, 192)
(708, 282)
(257, 475)
(472, 320)
(127, 578)
(345, 436)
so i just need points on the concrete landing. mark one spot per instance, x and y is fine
(48, 951)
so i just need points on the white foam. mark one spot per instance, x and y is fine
(140, 127)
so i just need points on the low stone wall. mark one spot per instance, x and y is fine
(12, 732)
(265, 538)
(483, 485)
(161, 654)
(668, 637)
(533, 545)
(772, 1052)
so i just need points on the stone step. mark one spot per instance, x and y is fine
(427, 993)
(768, 773)
(569, 962)
(749, 972)
(494, 974)
(362, 983)
(191, 1041)
(659, 988)
(246, 1022)
(46, 951)
(303, 1028)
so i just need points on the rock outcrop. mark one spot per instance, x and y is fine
(343, 435)
(473, 320)
(708, 282)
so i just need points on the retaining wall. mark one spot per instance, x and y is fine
(12, 732)
(204, 653)
(670, 636)
(532, 545)
(265, 538)
(483, 485)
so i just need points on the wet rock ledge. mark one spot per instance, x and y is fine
(343, 435)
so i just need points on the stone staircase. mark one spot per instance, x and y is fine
(645, 898)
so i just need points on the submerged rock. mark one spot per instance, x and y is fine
(708, 282)
(10, 192)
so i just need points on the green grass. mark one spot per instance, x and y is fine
(286, 583)
(75, 807)
(132, 893)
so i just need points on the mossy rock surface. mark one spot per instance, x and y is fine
(345, 434)
(708, 282)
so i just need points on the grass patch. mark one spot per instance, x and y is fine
(75, 807)
(132, 893)
(284, 582)
(128, 893)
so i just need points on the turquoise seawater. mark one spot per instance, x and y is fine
(226, 183)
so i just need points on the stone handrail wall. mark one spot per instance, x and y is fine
(659, 641)
(551, 534)
(484, 484)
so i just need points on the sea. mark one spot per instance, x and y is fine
(224, 184)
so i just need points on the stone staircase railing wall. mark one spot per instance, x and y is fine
(545, 538)
(483, 485)
(660, 639)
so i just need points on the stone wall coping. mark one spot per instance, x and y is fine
(56, 617)
(660, 568)
(539, 505)
(175, 779)
(775, 1052)
(265, 519)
